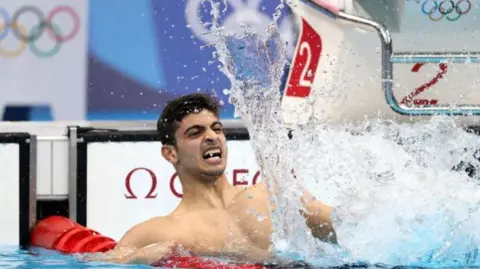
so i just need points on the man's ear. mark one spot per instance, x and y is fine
(169, 153)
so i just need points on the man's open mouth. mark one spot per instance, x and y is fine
(212, 154)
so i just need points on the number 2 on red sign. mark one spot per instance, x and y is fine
(305, 63)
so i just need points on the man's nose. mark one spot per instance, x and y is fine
(211, 136)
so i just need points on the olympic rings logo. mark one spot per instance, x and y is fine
(449, 9)
(26, 36)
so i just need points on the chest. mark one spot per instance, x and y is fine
(241, 227)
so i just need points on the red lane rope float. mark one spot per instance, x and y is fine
(64, 235)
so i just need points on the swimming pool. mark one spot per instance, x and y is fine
(14, 257)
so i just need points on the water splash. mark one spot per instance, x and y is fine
(396, 196)
(255, 66)
(397, 199)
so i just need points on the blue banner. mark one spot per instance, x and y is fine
(143, 53)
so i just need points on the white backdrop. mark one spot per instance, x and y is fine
(9, 194)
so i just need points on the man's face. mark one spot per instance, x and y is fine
(201, 145)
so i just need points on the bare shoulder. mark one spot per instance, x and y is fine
(257, 192)
(147, 232)
(260, 193)
(259, 188)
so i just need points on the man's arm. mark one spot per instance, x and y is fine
(318, 218)
(316, 214)
(139, 245)
(145, 255)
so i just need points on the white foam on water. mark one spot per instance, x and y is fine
(397, 199)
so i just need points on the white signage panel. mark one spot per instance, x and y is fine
(130, 182)
(9, 194)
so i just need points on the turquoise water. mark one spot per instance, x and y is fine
(12, 257)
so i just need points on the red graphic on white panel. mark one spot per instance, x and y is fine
(172, 186)
(307, 58)
(241, 181)
(238, 179)
(409, 98)
(128, 184)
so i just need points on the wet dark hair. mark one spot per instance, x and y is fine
(179, 108)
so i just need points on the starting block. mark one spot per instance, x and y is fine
(345, 70)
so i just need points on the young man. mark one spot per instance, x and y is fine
(213, 217)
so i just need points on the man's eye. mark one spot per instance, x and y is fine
(193, 133)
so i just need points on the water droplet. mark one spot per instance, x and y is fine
(261, 218)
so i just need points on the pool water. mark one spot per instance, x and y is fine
(13, 257)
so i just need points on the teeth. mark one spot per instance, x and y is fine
(212, 152)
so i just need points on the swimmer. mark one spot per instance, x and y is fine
(214, 218)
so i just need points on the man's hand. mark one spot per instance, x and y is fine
(149, 254)
(316, 214)
(318, 217)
